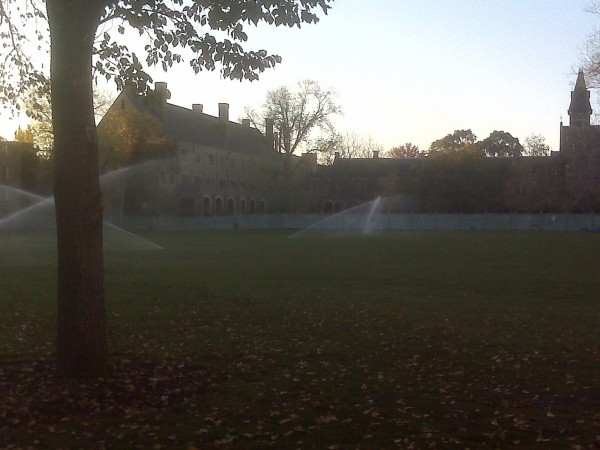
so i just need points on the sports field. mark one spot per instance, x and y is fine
(251, 340)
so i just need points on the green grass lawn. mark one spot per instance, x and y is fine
(398, 340)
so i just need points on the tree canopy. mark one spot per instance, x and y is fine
(205, 33)
(535, 145)
(407, 150)
(501, 143)
(458, 142)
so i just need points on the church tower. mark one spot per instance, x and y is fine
(580, 110)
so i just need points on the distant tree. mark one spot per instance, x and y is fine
(36, 166)
(25, 135)
(535, 145)
(296, 115)
(37, 105)
(2, 139)
(501, 143)
(125, 138)
(407, 150)
(326, 145)
(174, 30)
(353, 145)
(458, 142)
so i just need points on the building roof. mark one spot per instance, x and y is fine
(180, 124)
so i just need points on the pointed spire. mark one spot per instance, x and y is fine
(580, 83)
(580, 110)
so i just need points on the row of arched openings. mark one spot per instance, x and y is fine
(188, 206)
(330, 207)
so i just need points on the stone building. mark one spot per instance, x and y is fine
(212, 165)
(579, 157)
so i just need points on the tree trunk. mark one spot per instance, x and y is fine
(82, 346)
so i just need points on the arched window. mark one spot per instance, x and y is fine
(231, 206)
(242, 206)
(252, 206)
(261, 207)
(206, 206)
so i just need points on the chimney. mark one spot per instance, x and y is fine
(375, 154)
(198, 107)
(246, 122)
(269, 122)
(310, 160)
(160, 87)
(224, 112)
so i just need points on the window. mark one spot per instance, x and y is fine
(232, 163)
(172, 178)
(184, 180)
(163, 178)
(222, 162)
(197, 181)
(222, 182)
(197, 156)
(211, 160)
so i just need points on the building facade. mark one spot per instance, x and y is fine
(204, 165)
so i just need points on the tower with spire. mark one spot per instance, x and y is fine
(580, 109)
(580, 136)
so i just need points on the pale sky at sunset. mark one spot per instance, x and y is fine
(408, 70)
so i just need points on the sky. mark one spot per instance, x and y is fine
(415, 71)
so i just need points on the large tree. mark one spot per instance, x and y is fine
(535, 145)
(459, 142)
(296, 114)
(206, 32)
(501, 143)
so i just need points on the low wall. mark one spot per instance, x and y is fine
(375, 222)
